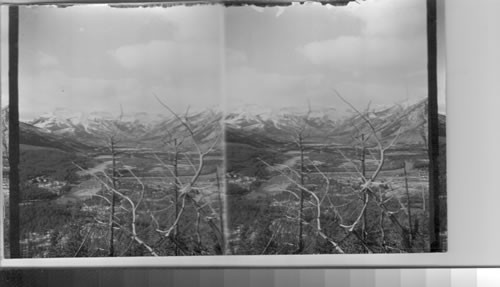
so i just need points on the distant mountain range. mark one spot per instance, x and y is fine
(406, 122)
(67, 130)
(34, 136)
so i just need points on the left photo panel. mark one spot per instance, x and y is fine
(120, 143)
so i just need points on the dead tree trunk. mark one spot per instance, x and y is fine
(176, 193)
(301, 208)
(363, 172)
(221, 213)
(408, 204)
(113, 200)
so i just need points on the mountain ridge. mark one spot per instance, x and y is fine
(270, 127)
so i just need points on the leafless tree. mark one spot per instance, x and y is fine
(362, 141)
(292, 176)
(370, 182)
(371, 189)
(114, 183)
(174, 145)
(133, 204)
(408, 204)
(145, 216)
(299, 136)
(191, 189)
(112, 143)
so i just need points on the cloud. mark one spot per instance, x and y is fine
(374, 51)
(280, 11)
(235, 58)
(162, 58)
(359, 53)
(120, 56)
(195, 24)
(276, 90)
(246, 85)
(391, 42)
(46, 60)
(391, 17)
(54, 88)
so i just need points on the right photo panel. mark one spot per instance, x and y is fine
(327, 130)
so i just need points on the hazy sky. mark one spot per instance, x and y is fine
(375, 51)
(90, 58)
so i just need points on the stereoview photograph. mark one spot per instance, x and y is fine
(217, 129)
